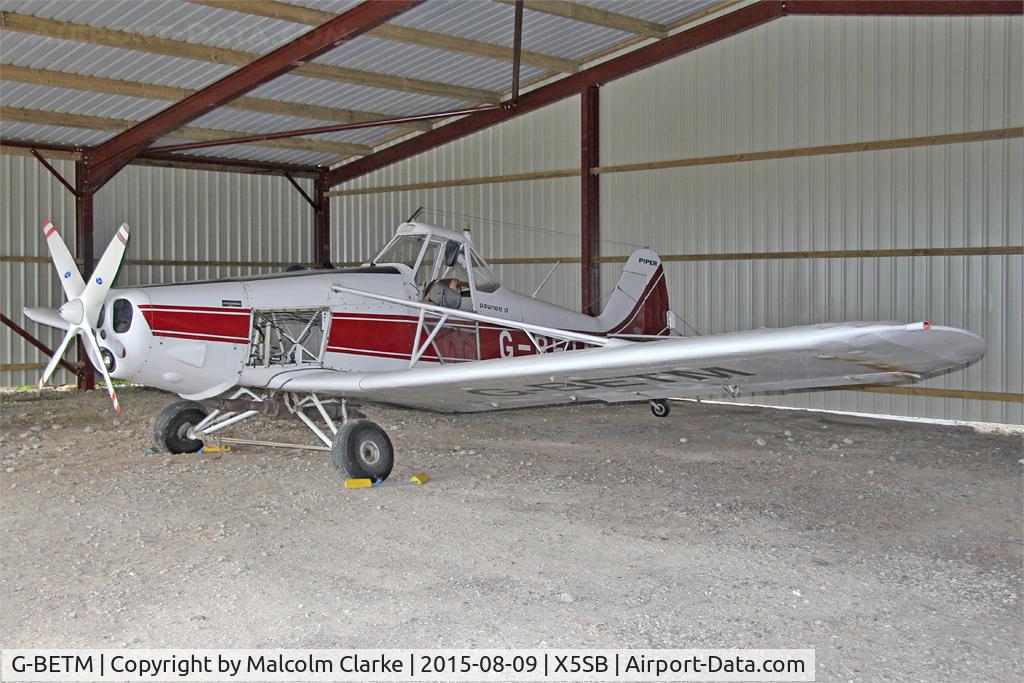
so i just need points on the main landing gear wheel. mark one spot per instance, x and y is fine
(362, 450)
(660, 407)
(173, 424)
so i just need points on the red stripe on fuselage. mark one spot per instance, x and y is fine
(391, 336)
(203, 323)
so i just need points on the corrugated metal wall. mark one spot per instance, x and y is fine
(174, 214)
(799, 81)
(807, 81)
(29, 195)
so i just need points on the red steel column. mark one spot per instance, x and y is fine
(84, 251)
(590, 199)
(321, 219)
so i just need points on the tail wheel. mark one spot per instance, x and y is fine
(362, 450)
(660, 407)
(173, 424)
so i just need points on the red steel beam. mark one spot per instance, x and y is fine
(321, 220)
(106, 159)
(680, 43)
(54, 172)
(590, 199)
(84, 251)
(240, 165)
(333, 128)
(911, 8)
(291, 179)
(517, 52)
(269, 168)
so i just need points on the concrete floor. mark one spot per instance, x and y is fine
(894, 549)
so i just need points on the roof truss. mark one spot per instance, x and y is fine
(52, 118)
(152, 158)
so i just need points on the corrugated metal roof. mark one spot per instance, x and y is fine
(492, 22)
(28, 96)
(347, 96)
(488, 22)
(167, 19)
(384, 56)
(58, 135)
(23, 49)
(658, 11)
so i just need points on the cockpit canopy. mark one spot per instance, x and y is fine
(438, 254)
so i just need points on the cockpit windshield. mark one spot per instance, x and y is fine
(404, 249)
(427, 256)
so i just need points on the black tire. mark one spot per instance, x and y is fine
(362, 450)
(660, 407)
(172, 425)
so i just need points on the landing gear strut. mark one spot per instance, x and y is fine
(360, 449)
(660, 407)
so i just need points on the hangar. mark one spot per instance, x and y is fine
(792, 163)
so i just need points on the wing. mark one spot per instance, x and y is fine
(715, 365)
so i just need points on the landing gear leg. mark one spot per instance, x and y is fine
(660, 407)
(360, 449)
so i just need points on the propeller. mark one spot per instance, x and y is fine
(81, 312)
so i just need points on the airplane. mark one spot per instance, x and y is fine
(426, 324)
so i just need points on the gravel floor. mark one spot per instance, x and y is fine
(894, 549)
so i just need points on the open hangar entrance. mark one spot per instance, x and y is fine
(793, 162)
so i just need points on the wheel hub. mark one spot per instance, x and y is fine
(369, 452)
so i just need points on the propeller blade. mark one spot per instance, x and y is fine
(70, 278)
(58, 353)
(103, 276)
(88, 333)
(47, 316)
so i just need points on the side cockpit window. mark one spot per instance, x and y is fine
(121, 320)
(483, 277)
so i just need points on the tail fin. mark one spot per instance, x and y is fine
(639, 304)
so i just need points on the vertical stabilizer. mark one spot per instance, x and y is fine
(639, 303)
